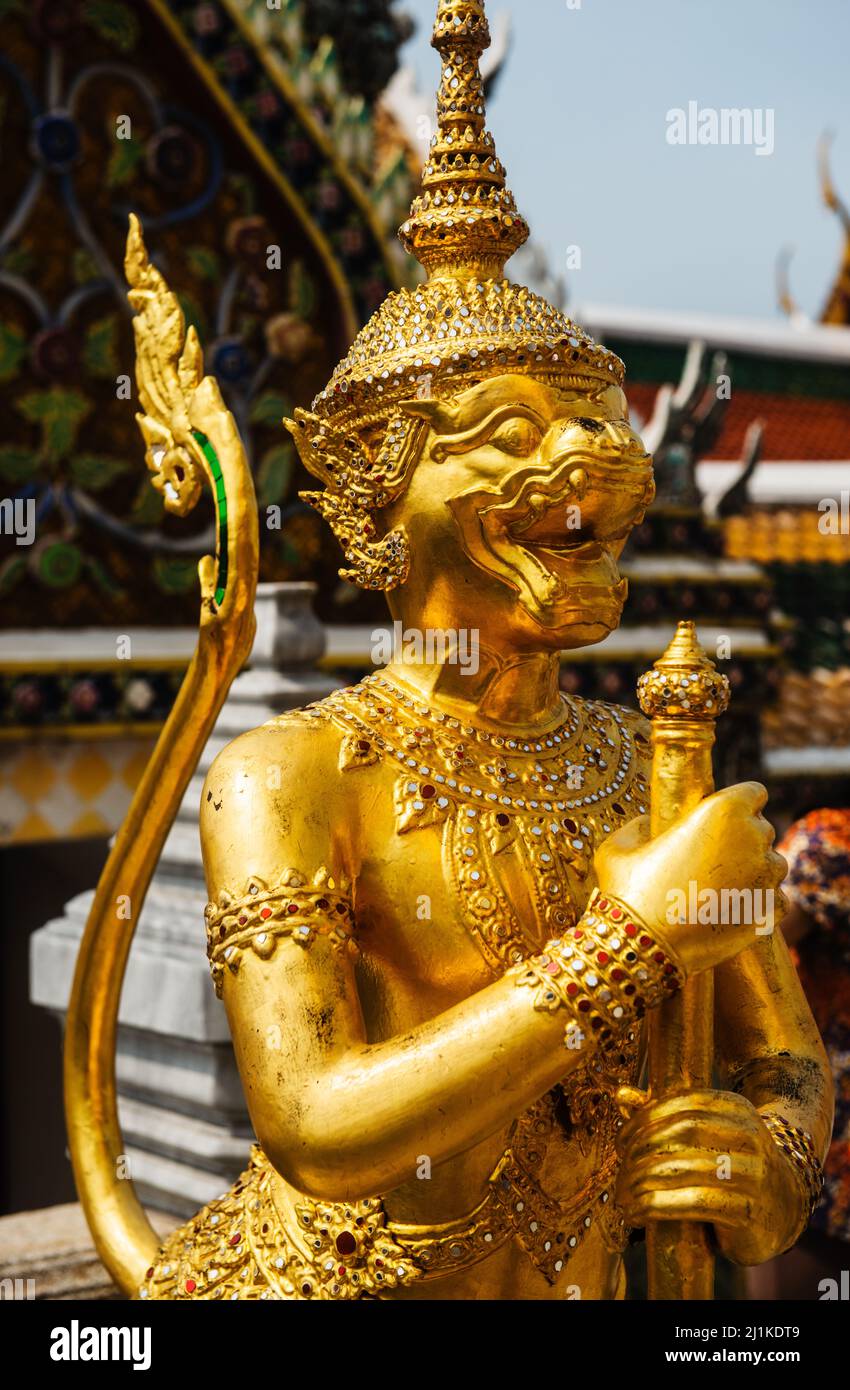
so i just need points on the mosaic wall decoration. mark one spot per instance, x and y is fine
(188, 115)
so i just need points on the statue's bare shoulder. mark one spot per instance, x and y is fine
(270, 792)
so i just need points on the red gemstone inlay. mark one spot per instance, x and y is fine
(553, 967)
(190, 1286)
(616, 913)
(658, 957)
(242, 921)
(577, 935)
(603, 957)
(346, 1244)
(428, 791)
(572, 987)
(234, 1240)
(265, 912)
(292, 908)
(149, 1274)
(341, 1270)
(602, 904)
(584, 1005)
(618, 974)
(646, 941)
(631, 929)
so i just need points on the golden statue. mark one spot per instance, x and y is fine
(439, 917)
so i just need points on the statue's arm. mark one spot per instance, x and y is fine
(768, 1044)
(340, 1116)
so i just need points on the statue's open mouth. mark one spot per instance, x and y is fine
(549, 534)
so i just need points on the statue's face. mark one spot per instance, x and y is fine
(521, 503)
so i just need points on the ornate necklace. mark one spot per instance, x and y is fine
(474, 764)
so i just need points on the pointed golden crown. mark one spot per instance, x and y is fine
(465, 220)
(465, 324)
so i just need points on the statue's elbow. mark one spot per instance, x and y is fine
(321, 1163)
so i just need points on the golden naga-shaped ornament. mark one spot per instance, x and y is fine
(191, 438)
(440, 932)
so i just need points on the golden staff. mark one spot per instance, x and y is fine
(191, 438)
(682, 694)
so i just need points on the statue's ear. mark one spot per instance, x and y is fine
(442, 416)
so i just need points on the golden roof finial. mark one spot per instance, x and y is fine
(464, 224)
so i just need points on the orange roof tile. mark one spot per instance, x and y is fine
(797, 427)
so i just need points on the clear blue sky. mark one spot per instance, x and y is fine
(579, 119)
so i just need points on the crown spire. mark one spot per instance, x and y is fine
(464, 224)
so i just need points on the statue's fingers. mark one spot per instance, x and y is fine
(703, 1101)
(696, 1203)
(693, 1167)
(714, 1133)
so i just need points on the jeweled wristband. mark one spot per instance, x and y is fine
(605, 972)
(799, 1147)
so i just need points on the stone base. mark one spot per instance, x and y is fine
(49, 1254)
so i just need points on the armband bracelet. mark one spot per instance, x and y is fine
(605, 972)
(259, 916)
(800, 1149)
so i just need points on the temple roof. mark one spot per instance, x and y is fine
(797, 380)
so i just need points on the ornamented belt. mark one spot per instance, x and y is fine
(515, 1207)
(250, 1244)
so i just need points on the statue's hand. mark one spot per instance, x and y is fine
(719, 856)
(708, 1156)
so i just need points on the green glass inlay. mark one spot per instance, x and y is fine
(221, 514)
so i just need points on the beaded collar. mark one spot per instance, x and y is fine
(551, 800)
(582, 754)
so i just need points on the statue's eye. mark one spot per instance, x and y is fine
(518, 437)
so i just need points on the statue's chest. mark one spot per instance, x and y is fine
(489, 839)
